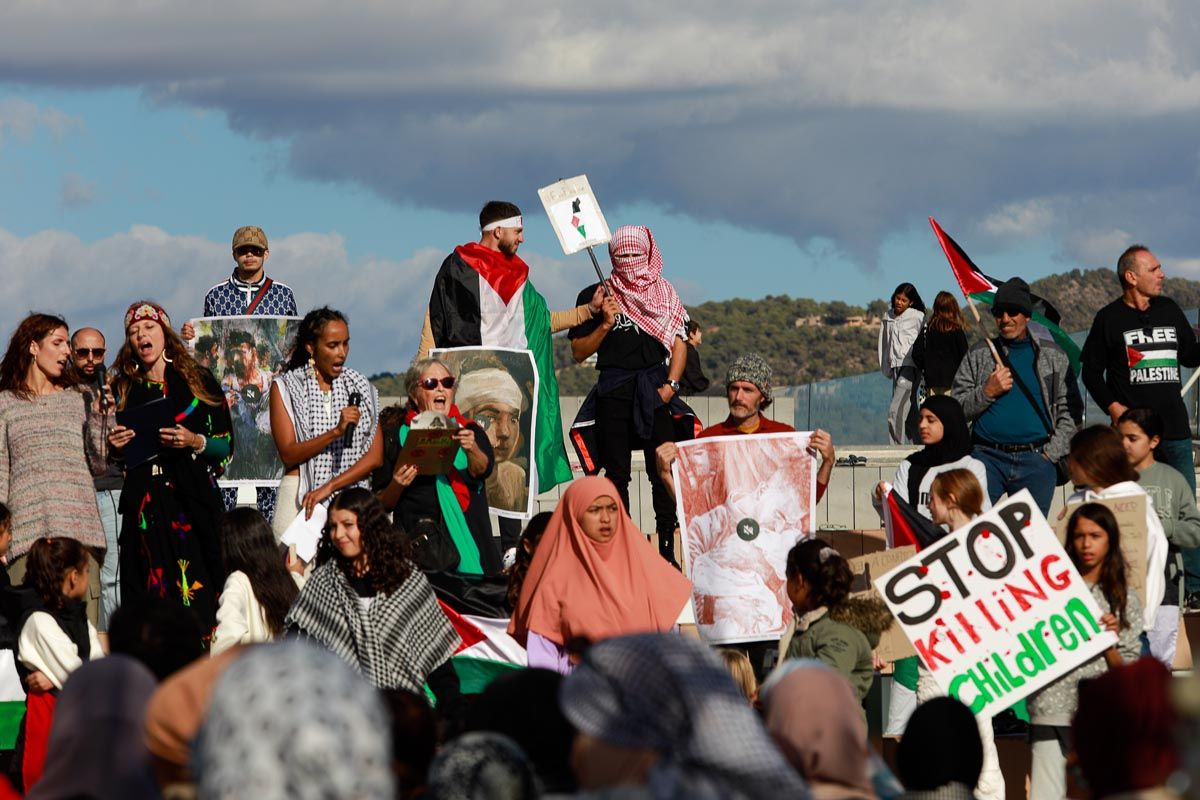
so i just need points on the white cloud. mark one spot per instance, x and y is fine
(22, 119)
(1020, 220)
(1098, 247)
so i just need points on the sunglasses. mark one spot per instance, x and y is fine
(94, 352)
(251, 249)
(432, 383)
(1012, 311)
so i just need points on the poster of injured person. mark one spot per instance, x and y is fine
(743, 501)
(245, 354)
(498, 388)
(996, 610)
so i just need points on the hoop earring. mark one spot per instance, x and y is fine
(167, 358)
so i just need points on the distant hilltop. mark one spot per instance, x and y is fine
(807, 340)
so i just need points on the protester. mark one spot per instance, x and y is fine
(1132, 357)
(1019, 410)
(661, 712)
(88, 348)
(47, 432)
(247, 292)
(259, 589)
(1094, 546)
(814, 717)
(1100, 470)
(56, 637)
(449, 510)
(368, 603)
(831, 626)
(897, 334)
(694, 381)
(526, 547)
(940, 756)
(270, 733)
(96, 748)
(164, 636)
(593, 576)
(326, 442)
(171, 504)
(493, 400)
(748, 392)
(940, 347)
(414, 741)
(481, 766)
(640, 354)
(742, 672)
(1141, 432)
(482, 296)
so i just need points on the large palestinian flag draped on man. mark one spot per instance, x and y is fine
(981, 288)
(483, 298)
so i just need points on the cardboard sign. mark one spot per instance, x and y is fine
(575, 214)
(996, 610)
(1131, 519)
(893, 644)
(431, 449)
(743, 501)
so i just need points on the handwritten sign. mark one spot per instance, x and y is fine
(575, 214)
(996, 610)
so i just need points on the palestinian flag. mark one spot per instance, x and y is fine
(981, 288)
(483, 298)
(12, 701)
(905, 525)
(475, 608)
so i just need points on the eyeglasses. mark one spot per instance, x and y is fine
(94, 352)
(1012, 311)
(249, 249)
(432, 383)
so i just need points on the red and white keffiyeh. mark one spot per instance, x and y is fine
(644, 295)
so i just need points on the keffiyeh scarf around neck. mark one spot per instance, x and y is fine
(644, 295)
(312, 416)
(395, 643)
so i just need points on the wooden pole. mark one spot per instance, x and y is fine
(979, 322)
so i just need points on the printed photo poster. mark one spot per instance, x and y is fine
(245, 354)
(996, 610)
(498, 388)
(743, 501)
(575, 214)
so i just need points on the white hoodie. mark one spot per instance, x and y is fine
(897, 335)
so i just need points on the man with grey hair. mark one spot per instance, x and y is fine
(492, 398)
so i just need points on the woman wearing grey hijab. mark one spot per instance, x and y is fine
(660, 712)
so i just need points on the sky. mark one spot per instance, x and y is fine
(781, 147)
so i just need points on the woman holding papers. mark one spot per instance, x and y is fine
(324, 419)
(446, 514)
(171, 504)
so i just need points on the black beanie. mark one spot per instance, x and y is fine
(1014, 293)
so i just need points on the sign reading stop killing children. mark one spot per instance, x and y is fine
(575, 214)
(996, 610)
(743, 501)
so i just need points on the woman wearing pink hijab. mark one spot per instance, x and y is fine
(593, 576)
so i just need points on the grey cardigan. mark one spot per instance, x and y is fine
(1054, 372)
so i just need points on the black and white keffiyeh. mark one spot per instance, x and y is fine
(312, 414)
(395, 642)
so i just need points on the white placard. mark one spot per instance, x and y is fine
(575, 214)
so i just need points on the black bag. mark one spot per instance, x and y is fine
(1061, 476)
(432, 549)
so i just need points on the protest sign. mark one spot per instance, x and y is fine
(743, 501)
(244, 354)
(893, 644)
(1131, 519)
(430, 444)
(996, 610)
(498, 388)
(575, 214)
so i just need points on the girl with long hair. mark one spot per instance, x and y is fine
(897, 334)
(1100, 470)
(48, 435)
(171, 504)
(259, 589)
(56, 637)
(941, 346)
(1094, 546)
(324, 419)
(368, 603)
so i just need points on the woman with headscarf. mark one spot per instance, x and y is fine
(593, 576)
(661, 713)
(640, 346)
(171, 503)
(482, 765)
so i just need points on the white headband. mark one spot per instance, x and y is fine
(512, 222)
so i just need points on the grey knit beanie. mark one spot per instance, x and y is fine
(752, 368)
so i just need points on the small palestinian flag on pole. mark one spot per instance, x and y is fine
(904, 525)
(981, 288)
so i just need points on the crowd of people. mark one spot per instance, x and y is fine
(160, 642)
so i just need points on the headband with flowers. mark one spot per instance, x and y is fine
(146, 310)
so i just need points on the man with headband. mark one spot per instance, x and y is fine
(482, 296)
(493, 399)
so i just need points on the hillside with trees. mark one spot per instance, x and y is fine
(835, 339)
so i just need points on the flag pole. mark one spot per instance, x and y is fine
(599, 274)
(970, 303)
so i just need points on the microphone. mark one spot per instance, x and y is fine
(99, 376)
(355, 399)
